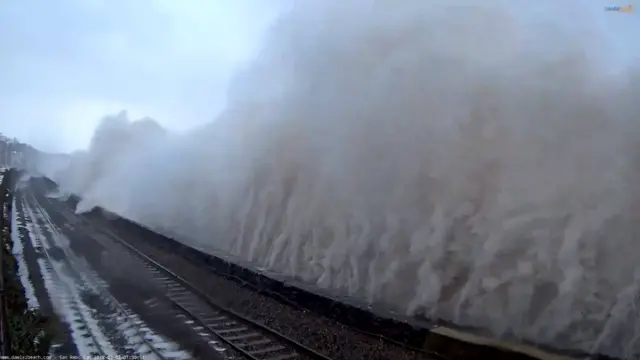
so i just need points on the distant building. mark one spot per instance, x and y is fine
(14, 154)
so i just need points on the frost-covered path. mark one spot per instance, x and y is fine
(71, 274)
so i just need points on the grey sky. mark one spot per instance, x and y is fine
(66, 63)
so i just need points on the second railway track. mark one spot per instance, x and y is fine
(248, 338)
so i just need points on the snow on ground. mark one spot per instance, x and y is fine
(65, 297)
(59, 239)
(35, 233)
(69, 306)
(18, 252)
(89, 280)
(68, 280)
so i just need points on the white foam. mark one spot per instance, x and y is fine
(445, 158)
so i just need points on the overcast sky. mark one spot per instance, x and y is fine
(66, 63)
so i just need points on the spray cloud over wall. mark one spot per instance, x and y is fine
(431, 158)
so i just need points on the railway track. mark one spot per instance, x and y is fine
(250, 339)
(139, 340)
(55, 283)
